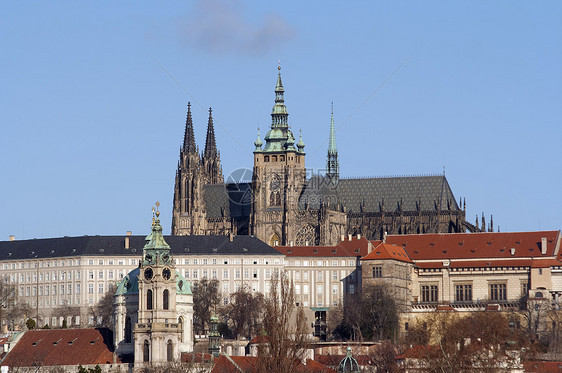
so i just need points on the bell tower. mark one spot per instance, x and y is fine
(158, 334)
(279, 177)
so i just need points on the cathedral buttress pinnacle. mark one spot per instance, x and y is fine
(189, 138)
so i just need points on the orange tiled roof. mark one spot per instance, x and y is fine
(387, 251)
(235, 364)
(543, 366)
(62, 347)
(478, 245)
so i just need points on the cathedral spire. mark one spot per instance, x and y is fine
(189, 138)
(332, 165)
(210, 143)
(279, 113)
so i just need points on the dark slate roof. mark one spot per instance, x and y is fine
(115, 246)
(373, 192)
(227, 200)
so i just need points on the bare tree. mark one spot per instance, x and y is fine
(102, 312)
(7, 298)
(244, 313)
(206, 297)
(285, 328)
(481, 341)
(65, 311)
(371, 315)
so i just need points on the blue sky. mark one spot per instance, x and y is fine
(93, 99)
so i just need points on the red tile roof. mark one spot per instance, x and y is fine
(543, 366)
(236, 364)
(346, 248)
(387, 251)
(62, 347)
(493, 246)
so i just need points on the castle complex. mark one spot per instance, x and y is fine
(285, 205)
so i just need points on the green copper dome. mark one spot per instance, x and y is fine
(300, 144)
(258, 143)
(348, 364)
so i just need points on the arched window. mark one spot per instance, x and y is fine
(180, 322)
(149, 299)
(272, 198)
(166, 299)
(278, 199)
(266, 158)
(145, 352)
(128, 330)
(170, 350)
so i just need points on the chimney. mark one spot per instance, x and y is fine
(127, 243)
(369, 247)
(384, 237)
(359, 236)
(12, 237)
(231, 237)
(291, 243)
(349, 237)
(342, 238)
(512, 250)
(543, 246)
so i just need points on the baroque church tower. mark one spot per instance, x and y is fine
(193, 173)
(153, 306)
(279, 177)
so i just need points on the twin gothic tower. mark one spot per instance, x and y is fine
(286, 204)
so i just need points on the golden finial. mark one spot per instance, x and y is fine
(279, 67)
(157, 212)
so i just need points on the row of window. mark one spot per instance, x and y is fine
(322, 263)
(463, 292)
(32, 291)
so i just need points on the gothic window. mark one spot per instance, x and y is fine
(272, 199)
(266, 158)
(149, 299)
(278, 199)
(274, 240)
(170, 350)
(166, 299)
(306, 236)
(128, 330)
(274, 158)
(145, 352)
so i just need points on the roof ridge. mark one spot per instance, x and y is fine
(389, 176)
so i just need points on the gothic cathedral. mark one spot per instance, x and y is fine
(287, 204)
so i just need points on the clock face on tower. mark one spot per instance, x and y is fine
(166, 258)
(166, 273)
(148, 273)
(148, 257)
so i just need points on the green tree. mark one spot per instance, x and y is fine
(30, 323)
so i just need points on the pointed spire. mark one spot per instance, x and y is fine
(332, 165)
(258, 143)
(189, 138)
(210, 143)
